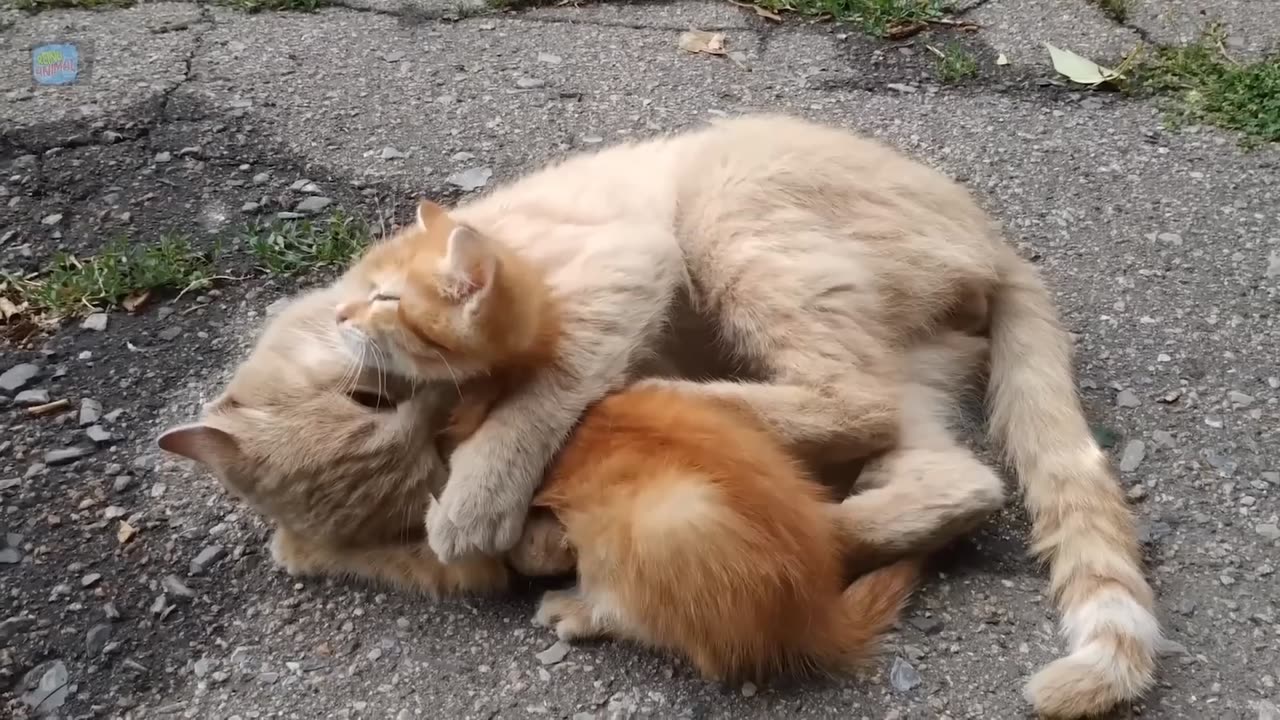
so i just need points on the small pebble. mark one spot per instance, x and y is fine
(554, 654)
(903, 676)
(31, 398)
(1134, 452)
(96, 322)
(90, 412)
(206, 558)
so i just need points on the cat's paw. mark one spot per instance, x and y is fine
(288, 553)
(480, 512)
(486, 525)
(565, 612)
(543, 549)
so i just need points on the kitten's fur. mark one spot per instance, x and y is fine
(818, 258)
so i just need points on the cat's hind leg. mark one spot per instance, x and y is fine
(407, 567)
(829, 389)
(916, 501)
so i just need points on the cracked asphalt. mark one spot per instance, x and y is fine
(1163, 248)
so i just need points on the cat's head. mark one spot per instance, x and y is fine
(441, 301)
(334, 450)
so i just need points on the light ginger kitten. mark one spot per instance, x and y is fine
(694, 531)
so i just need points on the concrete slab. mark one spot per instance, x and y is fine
(1019, 29)
(1252, 26)
(137, 55)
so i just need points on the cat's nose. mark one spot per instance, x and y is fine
(343, 312)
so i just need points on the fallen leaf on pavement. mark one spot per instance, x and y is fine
(8, 309)
(700, 41)
(762, 12)
(136, 300)
(1078, 69)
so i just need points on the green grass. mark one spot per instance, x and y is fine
(1209, 87)
(253, 6)
(38, 5)
(956, 65)
(1117, 10)
(875, 17)
(71, 285)
(289, 247)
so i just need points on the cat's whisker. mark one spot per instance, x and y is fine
(452, 374)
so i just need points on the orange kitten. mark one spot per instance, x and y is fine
(694, 530)
(439, 301)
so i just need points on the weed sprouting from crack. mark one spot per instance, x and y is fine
(1208, 86)
(289, 247)
(71, 286)
(881, 18)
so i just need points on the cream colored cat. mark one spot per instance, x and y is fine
(818, 257)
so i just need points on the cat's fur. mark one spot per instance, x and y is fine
(817, 258)
(693, 529)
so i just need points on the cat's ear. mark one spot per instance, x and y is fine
(469, 265)
(429, 213)
(203, 443)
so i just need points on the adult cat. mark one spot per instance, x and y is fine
(819, 258)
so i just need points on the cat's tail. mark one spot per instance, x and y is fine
(1080, 523)
(868, 609)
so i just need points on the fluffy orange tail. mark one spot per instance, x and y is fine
(1080, 522)
(869, 608)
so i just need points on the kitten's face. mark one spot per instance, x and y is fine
(336, 452)
(415, 303)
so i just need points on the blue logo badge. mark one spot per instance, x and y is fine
(55, 64)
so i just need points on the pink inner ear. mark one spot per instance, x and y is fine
(469, 264)
(204, 444)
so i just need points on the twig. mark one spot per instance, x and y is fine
(49, 408)
(203, 281)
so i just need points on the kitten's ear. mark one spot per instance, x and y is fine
(204, 444)
(428, 213)
(469, 265)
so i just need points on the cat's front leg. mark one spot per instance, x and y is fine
(495, 472)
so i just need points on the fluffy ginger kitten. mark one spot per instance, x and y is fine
(694, 530)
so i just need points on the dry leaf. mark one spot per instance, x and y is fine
(700, 41)
(1078, 69)
(1002, 59)
(762, 12)
(136, 300)
(8, 309)
(125, 532)
(768, 14)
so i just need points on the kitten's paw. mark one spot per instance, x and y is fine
(286, 554)
(567, 613)
(555, 604)
(543, 549)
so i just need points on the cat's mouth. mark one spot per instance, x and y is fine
(380, 391)
(372, 400)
